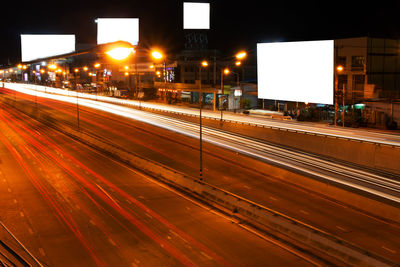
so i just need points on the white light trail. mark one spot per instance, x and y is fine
(310, 165)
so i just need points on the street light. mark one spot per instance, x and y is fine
(203, 64)
(339, 69)
(120, 53)
(225, 71)
(228, 71)
(157, 55)
(241, 55)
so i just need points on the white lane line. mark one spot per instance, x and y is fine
(341, 228)
(390, 250)
(305, 212)
(206, 255)
(272, 198)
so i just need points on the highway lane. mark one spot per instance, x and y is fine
(72, 206)
(372, 183)
(234, 172)
(351, 133)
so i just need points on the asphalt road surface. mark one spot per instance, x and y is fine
(71, 206)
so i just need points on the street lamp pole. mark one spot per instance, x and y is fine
(203, 64)
(201, 128)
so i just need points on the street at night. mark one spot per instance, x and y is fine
(173, 133)
(70, 179)
(70, 205)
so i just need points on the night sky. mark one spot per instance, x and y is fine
(234, 24)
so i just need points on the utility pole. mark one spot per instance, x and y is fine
(201, 128)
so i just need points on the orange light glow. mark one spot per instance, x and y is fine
(120, 53)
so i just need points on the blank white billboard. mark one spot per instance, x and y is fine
(117, 29)
(296, 71)
(196, 16)
(36, 46)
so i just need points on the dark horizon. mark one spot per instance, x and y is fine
(233, 27)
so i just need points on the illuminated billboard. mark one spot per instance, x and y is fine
(196, 16)
(117, 29)
(296, 71)
(36, 46)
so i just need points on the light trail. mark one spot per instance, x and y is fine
(353, 134)
(362, 180)
(42, 144)
(62, 215)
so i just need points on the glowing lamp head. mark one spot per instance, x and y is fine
(238, 63)
(339, 68)
(120, 53)
(52, 66)
(97, 65)
(226, 71)
(157, 55)
(204, 63)
(241, 55)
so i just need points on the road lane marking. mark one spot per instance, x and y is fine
(177, 235)
(305, 212)
(21, 214)
(341, 228)
(30, 231)
(41, 250)
(92, 222)
(9, 190)
(15, 201)
(112, 242)
(206, 255)
(112, 199)
(247, 187)
(272, 198)
(390, 250)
